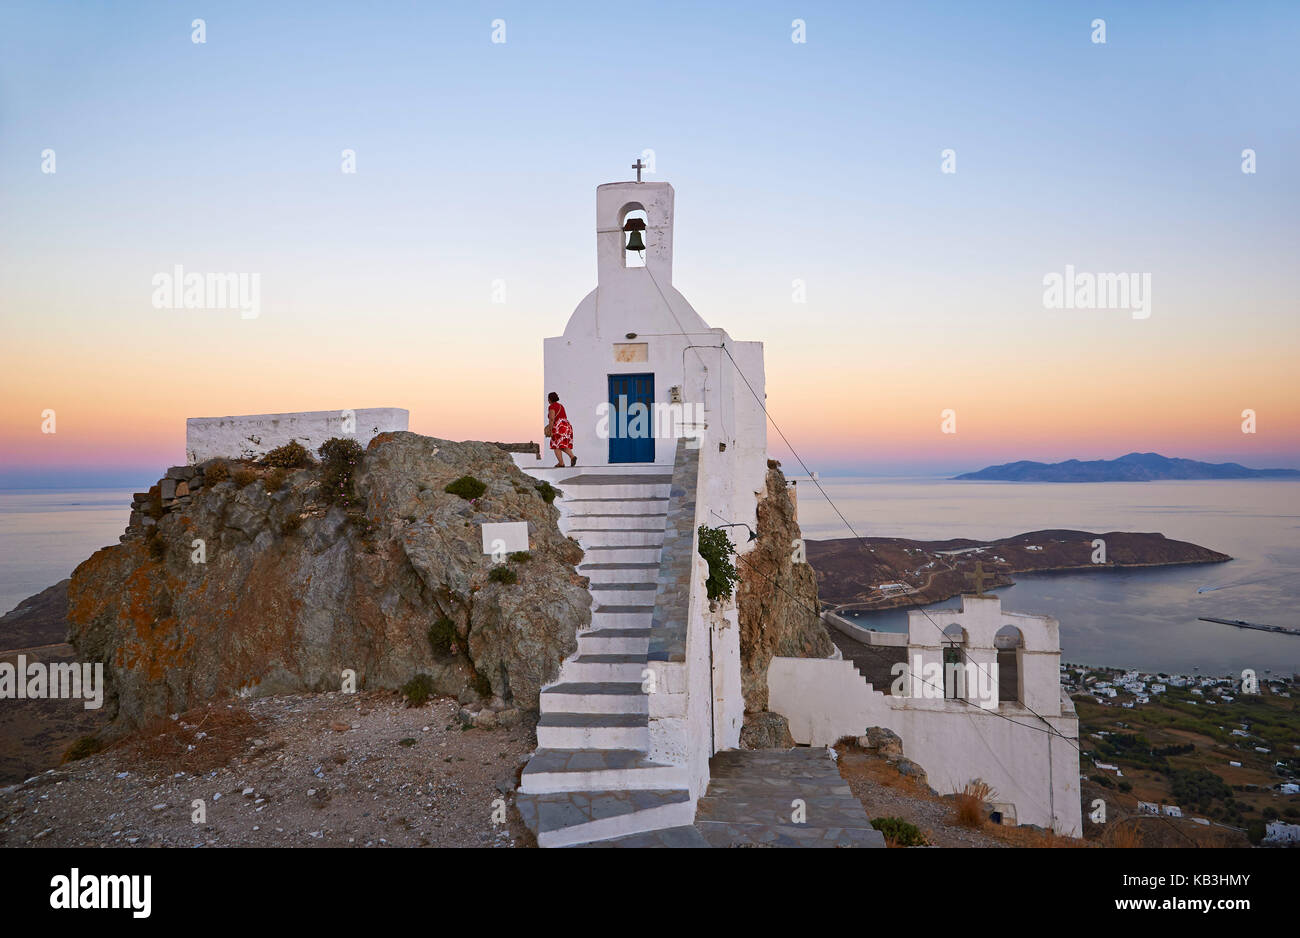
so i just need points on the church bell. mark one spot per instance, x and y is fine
(634, 241)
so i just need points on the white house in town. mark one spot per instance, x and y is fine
(1281, 832)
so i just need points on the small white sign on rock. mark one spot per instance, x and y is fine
(504, 537)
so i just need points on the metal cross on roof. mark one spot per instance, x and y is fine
(979, 576)
(638, 166)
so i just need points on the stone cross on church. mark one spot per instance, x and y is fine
(979, 576)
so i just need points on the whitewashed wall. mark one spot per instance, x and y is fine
(1038, 772)
(255, 435)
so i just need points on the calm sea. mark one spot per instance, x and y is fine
(1142, 618)
(45, 534)
(1139, 618)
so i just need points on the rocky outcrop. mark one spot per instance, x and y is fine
(37, 620)
(777, 596)
(765, 730)
(250, 580)
(881, 739)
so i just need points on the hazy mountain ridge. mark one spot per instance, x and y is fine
(1135, 467)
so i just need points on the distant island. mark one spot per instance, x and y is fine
(1135, 467)
(886, 572)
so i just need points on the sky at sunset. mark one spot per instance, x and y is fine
(818, 161)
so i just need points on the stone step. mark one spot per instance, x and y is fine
(615, 507)
(622, 594)
(621, 617)
(621, 485)
(614, 642)
(630, 491)
(593, 731)
(618, 572)
(739, 834)
(826, 811)
(751, 795)
(644, 554)
(562, 819)
(595, 697)
(602, 668)
(618, 537)
(796, 763)
(552, 770)
(612, 522)
(670, 837)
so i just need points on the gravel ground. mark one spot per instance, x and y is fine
(296, 771)
(886, 793)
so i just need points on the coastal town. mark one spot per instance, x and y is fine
(1214, 751)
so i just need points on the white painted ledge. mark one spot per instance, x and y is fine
(253, 435)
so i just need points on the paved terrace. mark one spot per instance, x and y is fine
(749, 804)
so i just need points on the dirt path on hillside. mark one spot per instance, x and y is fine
(304, 770)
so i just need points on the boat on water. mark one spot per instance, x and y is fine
(1243, 624)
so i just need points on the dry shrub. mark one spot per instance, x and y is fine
(171, 746)
(217, 472)
(1123, 835)
(244, 475)
(292, 455)
(861, 763)
(81, 748)
(1034, 839)
(968, 804)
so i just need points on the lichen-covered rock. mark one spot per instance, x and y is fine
(292, 591)
(777, 596)
(883, 740)
(765, 730)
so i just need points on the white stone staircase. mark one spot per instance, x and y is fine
(590, 778)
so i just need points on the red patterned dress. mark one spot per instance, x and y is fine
(561, 429)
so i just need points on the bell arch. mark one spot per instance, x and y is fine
(635, 223)
(955, 642)
(1009, 642)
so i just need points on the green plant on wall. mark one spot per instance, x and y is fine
(716, 548)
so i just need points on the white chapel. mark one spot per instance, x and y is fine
(670, 433)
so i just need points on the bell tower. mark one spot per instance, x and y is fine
(619, 207)
(635, 340)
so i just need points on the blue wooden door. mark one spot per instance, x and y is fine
(631, 418)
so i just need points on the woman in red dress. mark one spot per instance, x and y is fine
(559, 430)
